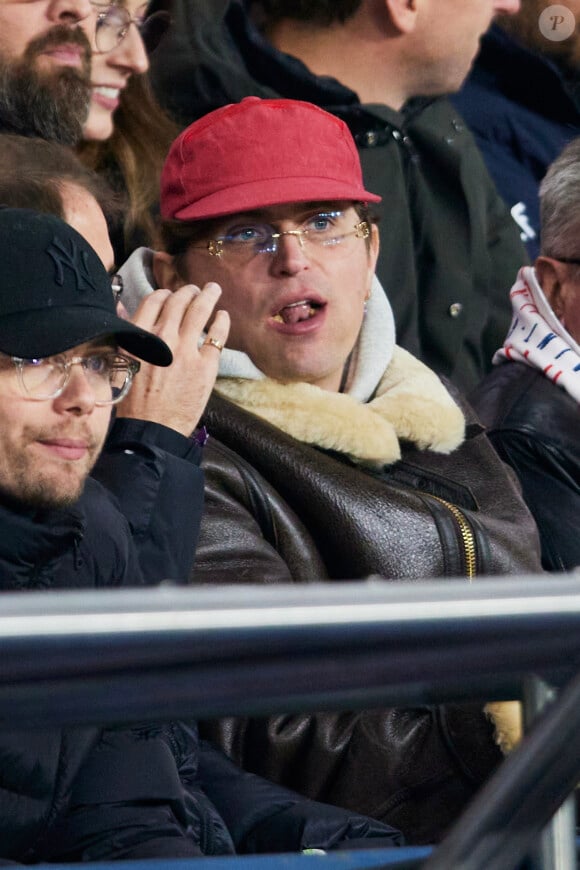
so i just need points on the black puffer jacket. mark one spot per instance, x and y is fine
(84, 547)
(535, 427)
(449, 247)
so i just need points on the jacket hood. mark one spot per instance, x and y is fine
(138, 280)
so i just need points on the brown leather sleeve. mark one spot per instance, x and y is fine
(245, 527)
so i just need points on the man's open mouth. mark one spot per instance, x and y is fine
(296, 312)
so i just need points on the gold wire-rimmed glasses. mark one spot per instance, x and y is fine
(246, 239)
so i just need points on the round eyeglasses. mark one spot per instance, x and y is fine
(113, 23)
(246, 240)
(109, 374)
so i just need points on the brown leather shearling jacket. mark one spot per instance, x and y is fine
(279, 510)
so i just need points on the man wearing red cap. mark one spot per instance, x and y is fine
(315, 405)
(449, 246)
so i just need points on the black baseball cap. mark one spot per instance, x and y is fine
(55, 292)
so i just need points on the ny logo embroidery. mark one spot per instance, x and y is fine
(73, 259)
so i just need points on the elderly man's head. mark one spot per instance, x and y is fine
(558, 267)
(44, 68)
(61, 370)
(266, 197)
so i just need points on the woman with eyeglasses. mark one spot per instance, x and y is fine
(127, 134)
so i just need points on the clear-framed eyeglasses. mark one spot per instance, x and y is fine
(324, 230)
(109, 374)
(114, 20)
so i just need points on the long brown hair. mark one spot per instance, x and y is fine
(132, 158)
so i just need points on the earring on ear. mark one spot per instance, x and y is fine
(366, 301)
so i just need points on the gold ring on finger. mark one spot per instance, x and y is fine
(214, 343)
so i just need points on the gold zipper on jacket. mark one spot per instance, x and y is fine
(467, 537)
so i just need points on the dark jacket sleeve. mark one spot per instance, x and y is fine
(535, 427)
(128, 802)
(550, 481)
(263, 817)
(154, 474)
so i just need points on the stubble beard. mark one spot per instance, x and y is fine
(50, 105)
(35, 484)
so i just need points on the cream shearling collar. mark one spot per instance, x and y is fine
(411, 404)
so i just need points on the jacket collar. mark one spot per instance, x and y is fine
(32, 538)
(280, 73)
(411, 404)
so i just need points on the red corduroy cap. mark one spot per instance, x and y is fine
(259, 153)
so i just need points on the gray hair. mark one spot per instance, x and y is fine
(560, 205)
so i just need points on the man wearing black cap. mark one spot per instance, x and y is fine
(65, 360)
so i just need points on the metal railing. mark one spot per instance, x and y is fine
(97, 657)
